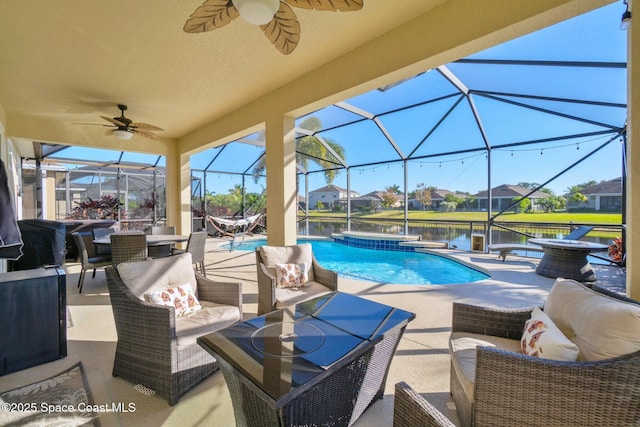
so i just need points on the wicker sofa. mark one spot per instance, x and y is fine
(494, 384)
(155, 347)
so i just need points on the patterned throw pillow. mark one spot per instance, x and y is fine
(291, 275)
(542, 338)
(181, 297)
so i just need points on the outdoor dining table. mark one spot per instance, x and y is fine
(152, 239)
(567, 258)
(321, 362)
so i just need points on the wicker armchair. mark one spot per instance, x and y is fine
(154, 348)
(270, 297)
(512, 389)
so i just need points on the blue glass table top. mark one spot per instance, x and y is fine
(286, 351)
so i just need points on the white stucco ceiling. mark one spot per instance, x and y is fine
(70, 61)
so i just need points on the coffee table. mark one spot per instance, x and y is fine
(321, 362)
(567, 258)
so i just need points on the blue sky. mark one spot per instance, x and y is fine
(591, 37)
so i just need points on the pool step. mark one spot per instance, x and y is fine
(376, 236)
(426, 244)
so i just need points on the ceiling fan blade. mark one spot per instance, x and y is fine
(144, 126)
(283, 31)
(116, 122)
(91, 124)
(211, 15)
(110, 131)
(144, 133)
(331, 5)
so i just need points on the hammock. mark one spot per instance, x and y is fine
(234, 227)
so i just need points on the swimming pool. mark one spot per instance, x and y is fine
(380, 266)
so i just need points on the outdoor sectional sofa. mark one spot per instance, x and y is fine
(493, 383)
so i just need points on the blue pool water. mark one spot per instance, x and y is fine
(381, 266)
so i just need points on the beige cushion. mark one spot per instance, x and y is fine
(212, 317)
(180, 297)
(603, 327)
(292, 275)
(297, 254)
(462, 347)
(144, 277)
(542, 338)
(288, 296)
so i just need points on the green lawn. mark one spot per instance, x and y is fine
(551, 217)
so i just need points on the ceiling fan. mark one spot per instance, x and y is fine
(275, 17)
(125, 128)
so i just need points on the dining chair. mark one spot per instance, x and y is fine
(161, 251)
(89, 259)
(99, 233)
(162, 229)
(128, 247)
(195, 246)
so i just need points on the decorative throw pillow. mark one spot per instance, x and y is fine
(291, 275)
(181, 297)
(542, 338)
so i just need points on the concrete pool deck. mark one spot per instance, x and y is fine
(421, 359)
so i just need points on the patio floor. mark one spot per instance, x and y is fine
(421, 359)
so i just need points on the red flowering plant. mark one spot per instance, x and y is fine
(615, 250)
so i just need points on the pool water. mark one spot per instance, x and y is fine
(381, 266)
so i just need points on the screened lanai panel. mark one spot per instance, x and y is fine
(408, 127)
(235, 157)
(573, 82)
(423, 87)
(363, 143)
(507, 124)
(458, 132)
(146, 159)
(327, 118)
(90, 155)
(613, 115)
(451, 172)
(593, 36)
(598, 158)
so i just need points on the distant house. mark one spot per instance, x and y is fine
(330, 196)
(503, 196)
(605, 196)
(370, 201)
(373, 201)
(438, 196)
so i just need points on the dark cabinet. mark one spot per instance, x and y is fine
(33, 318)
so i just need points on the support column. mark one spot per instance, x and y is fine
(178, 191)
(633, 157)
(281, 181)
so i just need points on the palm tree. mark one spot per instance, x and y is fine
(309, 148)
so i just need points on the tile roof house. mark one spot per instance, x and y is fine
(606, 196)
(330, 196)
(503, 196)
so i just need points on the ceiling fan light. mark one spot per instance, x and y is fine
(122, 134)
(257, 12)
